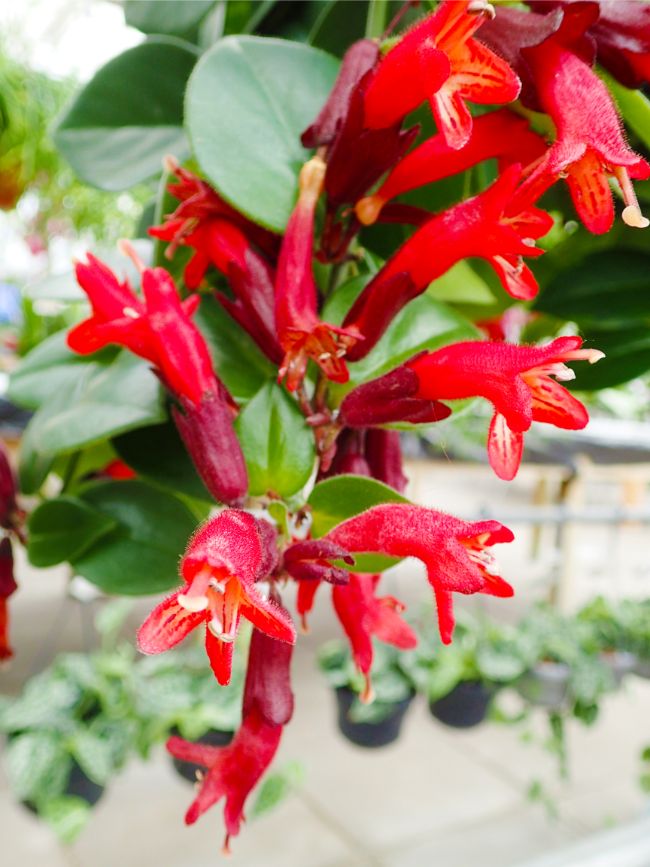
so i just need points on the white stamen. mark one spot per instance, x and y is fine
(219, 586)
(192, 603)
(632, 216)
(131, 313)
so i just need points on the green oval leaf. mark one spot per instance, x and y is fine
(62, 529)
(141, 554)
(247, 102)
(611, 286)
(276, 442)
(129, 115)
(102, 401)
(627, 355)
(172, 17)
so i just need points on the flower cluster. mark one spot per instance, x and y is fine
(366, 157)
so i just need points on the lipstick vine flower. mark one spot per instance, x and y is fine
(223, 562)
(453, 551)
(439, 61)
(8, 586)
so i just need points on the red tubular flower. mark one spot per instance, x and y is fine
(301, 334)
(384, 456)
(452, 550)
(390, 398)
(590, 146)
(310, 561)
(233, 771)
(7, 587)
(499, 134)
(516, 380)
(221, 566)
(363, 614)
(160, 330)
(622, 35)
(439, 60)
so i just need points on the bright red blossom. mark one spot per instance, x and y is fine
(517, 380)
(438, 60)
(590, 147)
(500, 134)
(453, 551)
(223, 562)
(363, 615)
(301, 334)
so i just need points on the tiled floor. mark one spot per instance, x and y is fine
(437, 797)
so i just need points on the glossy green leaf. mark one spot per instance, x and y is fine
(103, 401)
(633, 105)
(141, 555)
(339, 24)
(247, 102)
(339, 498)
(627, 355)
(171, 17)
(277, 443)
(62, 529)
(129, 115)
(52, 367)
(461, 285)
(240, 364)
(607, 287)
(158, 455)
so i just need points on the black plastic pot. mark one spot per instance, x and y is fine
(80, 785)
(212, 738)
(369, 734)
(465, 706)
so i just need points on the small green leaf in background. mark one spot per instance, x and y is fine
(633, 105)
(241, 366)
(67, 816)
(461, 285)
(247, 102)
(158, 455)
(627, 355)
(93, 754)
(62, 529)
(607, 287)
(129, 115)
(104, 400)
(170, 17)
(276, 787)
(141, 555)
(29, 760)
(276, 441)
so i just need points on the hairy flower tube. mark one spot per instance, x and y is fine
(301, 334)
(159, 328)
(485, 226)
(439, 61)
(589, 148)
(499, 134)
(223, 562)
(233, 771)
(453, 551)
(517, 380)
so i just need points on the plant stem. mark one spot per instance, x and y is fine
(376, 20)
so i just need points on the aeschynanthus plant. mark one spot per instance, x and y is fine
(285, 324)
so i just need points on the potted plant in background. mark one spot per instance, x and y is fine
(460, 680)
(606, 633)
(636, 615)
(379, 723)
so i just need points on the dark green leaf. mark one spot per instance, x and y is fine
(129, 115)
(606, 287)
(103, 401)
(239, 363)
(141, 555)
(276, 441)
(171, 17)
(627, 355)
(158, 454)
(62, 529)
(33, 465)
(339, 24)
(247, 102)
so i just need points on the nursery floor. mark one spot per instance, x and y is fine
(438, 797)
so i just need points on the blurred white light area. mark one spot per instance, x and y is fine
(65, 37)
